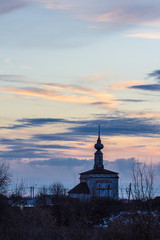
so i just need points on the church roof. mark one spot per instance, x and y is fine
(99, 171)
(80, 188)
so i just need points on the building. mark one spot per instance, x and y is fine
(98, 182)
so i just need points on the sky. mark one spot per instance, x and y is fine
(68, 66)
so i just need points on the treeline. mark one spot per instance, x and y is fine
(71, 219)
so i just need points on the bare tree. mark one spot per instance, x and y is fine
(121, 190)
(142, 182)
(5, 177)
(43, 195)
(43, 190)
(57, 189)
(20, 189)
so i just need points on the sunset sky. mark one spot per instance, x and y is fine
(67, 66)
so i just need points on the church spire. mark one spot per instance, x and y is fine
(98, 158)
(98, 145)
(99, 131)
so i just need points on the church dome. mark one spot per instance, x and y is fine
(98, 145)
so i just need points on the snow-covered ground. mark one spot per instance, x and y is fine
(127, 216)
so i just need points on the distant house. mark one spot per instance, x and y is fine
(98, 182)
(80, 191)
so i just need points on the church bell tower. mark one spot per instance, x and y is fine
(98, 156)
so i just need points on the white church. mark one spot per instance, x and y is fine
(98, 182)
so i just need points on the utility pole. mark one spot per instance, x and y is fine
(129, 194)
(32, 188)
(31, 191)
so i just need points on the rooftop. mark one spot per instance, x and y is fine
(80, 188)
(99, 171)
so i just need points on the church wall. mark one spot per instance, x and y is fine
(102, 185)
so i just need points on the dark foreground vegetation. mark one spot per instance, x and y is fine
(70, 219)
(55, 216)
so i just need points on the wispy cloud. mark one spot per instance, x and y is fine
(111, 14)
(68, 162)
(111, 126)
(14, 78)
(72, 88)
(66, 93)
(155, 74)
(23, 153)
(36, 122)
(150, 87)
(124, 85)
(124, 16)
(107, 14)
(96, 95)
(147, 87)
(29, 149)
(49, 94)
(61, 4)
(132, 100)
(145, 35)
(21, 143)
(10, 5)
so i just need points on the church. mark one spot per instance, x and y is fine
(98, 181)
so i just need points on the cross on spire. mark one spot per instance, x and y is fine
(99, 131)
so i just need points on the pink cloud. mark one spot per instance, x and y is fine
(145, 35)
(99, 13)
(124, 85)
(54, 4)
(67, 93)
(114, 12)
